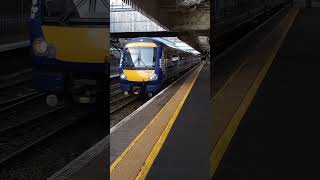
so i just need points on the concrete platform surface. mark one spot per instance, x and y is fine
(277, 137)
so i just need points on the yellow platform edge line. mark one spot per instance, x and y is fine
(156, 149)
(225, 138)
(122, 155)
(118, 160)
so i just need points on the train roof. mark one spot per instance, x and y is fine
(145, 39)
(157, 41)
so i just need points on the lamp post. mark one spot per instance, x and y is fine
(22, 6)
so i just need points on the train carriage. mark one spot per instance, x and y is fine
(147, 63)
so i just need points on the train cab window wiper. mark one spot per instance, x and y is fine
(87, 10)
(73, 10)
(140, 61)
(77, 12)
(105, 3)
(51, 11)
(58, 11)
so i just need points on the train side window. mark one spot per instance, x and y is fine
(170, 63)
(166, 56)
(162, 60)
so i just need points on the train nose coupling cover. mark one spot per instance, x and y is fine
(136, 89)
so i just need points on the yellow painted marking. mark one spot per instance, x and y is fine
(138, 75)
(122, 155)
(141, 44)
(156, 149)
(79, 44)
(224, 140)
(118, 160)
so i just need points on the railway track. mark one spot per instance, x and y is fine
(22, 128)
(115, 90)
(120, 103)
(114, 86)
(16, 87)
(117, 99)
(24, 117)
(11, 80)
(19, 100)
(20, 137)
(20, 112)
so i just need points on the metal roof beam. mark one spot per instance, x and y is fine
(158, 34)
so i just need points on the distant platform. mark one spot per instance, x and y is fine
(15, 45)
(114, 76)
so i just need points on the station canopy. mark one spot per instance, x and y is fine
(124, 18)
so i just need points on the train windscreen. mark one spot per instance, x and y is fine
(139, 58)
(66, 12)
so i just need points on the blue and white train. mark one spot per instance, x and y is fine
(147, 63)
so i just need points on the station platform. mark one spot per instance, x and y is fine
(15, 53)
(14, 41)
(266, 115)
(166, 137)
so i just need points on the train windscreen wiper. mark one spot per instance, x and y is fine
(49, 18)
(106, 4)
(141, 61)
(70, 10)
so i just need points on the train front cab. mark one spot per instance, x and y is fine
(140, 71)
(69, 45)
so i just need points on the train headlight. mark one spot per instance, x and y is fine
(122, 76)
(40, 46)
(154, 77)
